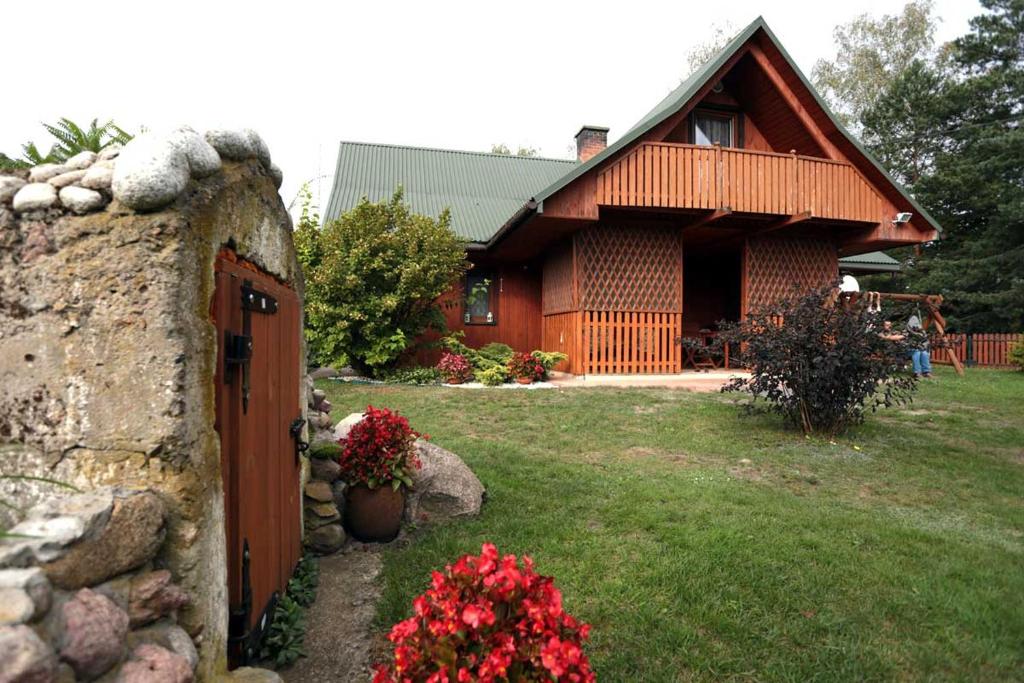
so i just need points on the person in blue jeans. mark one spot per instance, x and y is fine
(920, 357)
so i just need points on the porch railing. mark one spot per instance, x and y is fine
(673, 175)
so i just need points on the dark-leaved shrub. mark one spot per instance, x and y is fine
(819, 363)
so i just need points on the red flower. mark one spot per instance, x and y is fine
(526, 366)
(455, 366)
(379, 449)
(482, 617)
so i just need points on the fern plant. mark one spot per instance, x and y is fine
(71, 139)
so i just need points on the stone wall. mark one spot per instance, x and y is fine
(107, 350)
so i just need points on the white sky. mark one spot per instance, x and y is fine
(459, 75)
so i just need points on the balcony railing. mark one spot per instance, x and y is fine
(671, 175)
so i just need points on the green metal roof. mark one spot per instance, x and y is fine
(482, 190)
(872, 262)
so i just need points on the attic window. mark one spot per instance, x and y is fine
(713, 129)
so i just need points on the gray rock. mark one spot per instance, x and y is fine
(98, 177)
(342, 429)
(277, 174)
(111, 152)
(9, 186)
(318, 396)
(81, 161)
(167, 635)
(151, 172)
(154, 664)
(326, 539)
(338, 488)
(41, 540)
(92, 634)
(35, 197)
(321, 373)
(235, 145)
(443, 488)
(203, 159)
(324, 470)
(33, 584)
(152, 596)
(130, 538)
(249, 674)
(43, 172)
(259, 147)
(320, 491)
(65, 179)
(16, 606)
(24, 657)
(80, 199)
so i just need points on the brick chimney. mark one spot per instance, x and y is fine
(590, 140)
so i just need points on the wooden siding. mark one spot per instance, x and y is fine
(674, 175)
(620, 342)
(558, 286)
(561, 333)
(518, 315)
(777, 267)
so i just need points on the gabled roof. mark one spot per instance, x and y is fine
(482, 190)
(872, 262)
(489, 194)
(686, 90)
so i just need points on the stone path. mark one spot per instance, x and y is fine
(338, 640)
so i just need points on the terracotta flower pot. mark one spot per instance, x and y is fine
(524, 380)
(454, 380)
(374, 515)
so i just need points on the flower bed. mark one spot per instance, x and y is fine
(488, 619)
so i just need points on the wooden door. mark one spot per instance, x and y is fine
(257, 400)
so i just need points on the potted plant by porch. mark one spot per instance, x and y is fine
(377, 460)
(525, 368)
(454, 368)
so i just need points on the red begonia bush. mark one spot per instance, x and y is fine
(526, 366)
(488, 619)
(454, 366)
(380, 450)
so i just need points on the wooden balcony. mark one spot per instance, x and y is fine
(677, 176)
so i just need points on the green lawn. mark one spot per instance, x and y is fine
(896, 552)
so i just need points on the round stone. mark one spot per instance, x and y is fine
(43, 172)
(9, 186)
(35, 197)
(151, 172)
(65, 179)
(235, 145)
(81, 200)
(98, 177)
(81, 161)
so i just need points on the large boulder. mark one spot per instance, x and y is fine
(443, 488)
(342, 429)
(129, 539)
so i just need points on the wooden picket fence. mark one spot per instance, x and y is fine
(985, 350)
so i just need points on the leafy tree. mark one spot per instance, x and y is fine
(718, 37)
(953, 132)
(373, 277)
(502, 148)
(870, 54)
(71, 139)
(819, 364)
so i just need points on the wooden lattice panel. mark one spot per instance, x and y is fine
(556, 296)
(630, 269)
(780, 267)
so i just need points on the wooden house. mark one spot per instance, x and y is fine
(735, 189)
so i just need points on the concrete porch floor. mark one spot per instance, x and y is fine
(713, 380)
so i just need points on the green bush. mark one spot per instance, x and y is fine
(549, 359)
(1016, 355)
(325, 450)
(373, 277)
(493, 376)
(411, 376)
(497, 352)
(282, 644)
